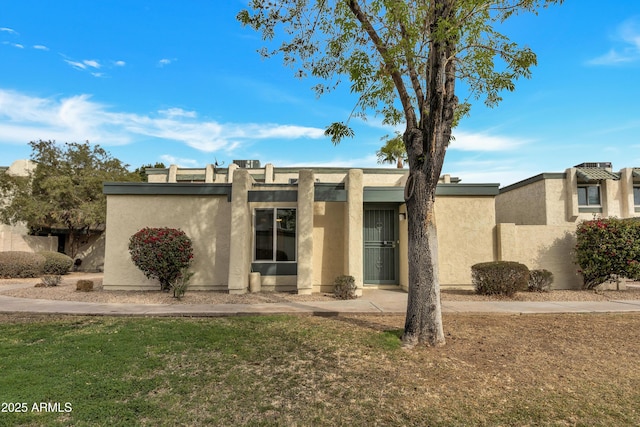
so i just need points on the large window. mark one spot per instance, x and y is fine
(589, 195)
(275, 234)
(636, 195)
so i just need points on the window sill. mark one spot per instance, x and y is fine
(586, 209)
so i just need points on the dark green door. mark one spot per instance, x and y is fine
(380, 245)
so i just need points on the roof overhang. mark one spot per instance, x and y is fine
(596, 174)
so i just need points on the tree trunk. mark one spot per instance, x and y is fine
(423, 324)
(426, 143)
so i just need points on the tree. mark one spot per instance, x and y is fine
(393, 151)
(64, 191)
(142, 170)
(403, 58)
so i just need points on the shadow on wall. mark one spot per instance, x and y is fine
(559, 257)
(92, 253)
(328, 219)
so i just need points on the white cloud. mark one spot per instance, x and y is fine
(177, 112)
(627, 48)
(16, 45)
(165, 61)
(91, 63)
(78, 118)
(75, 64)
(180, 162)
(8, 30)
(119, 63)
(467, 141)
(40, 47)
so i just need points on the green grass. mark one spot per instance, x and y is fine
(284, 370)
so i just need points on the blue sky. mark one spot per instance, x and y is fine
(181, 82)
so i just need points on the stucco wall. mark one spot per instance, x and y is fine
(542, 247)
(465, 236)
(205, 219)
(328, 250)
(15, 238)
(523, 205)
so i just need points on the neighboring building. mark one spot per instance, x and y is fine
(20, 238)
(537, 218)
(300, 228)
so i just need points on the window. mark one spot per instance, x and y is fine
(275, 234)
(636, 195)
(588, 195)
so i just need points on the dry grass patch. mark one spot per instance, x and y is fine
(573, 369)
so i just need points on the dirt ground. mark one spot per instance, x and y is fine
(66, 290)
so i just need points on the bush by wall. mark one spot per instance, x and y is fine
(344, 287)
(56, 263)
(540, 281)
(16, 264)
(607, 248)
(161, 253)
(499, 277)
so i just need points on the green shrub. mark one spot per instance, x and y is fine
(608, 248)
(344, 287)
(161, 253)
(15, 264)
(499, 277)
(540, 281)
(56, 263)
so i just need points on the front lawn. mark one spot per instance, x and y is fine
(285, 370)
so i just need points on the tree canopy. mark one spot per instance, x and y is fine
(63, 191)
(403, 59)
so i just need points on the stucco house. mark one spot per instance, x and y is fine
(299, 228)
(536, 218)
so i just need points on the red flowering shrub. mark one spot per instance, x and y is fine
(161, 253)
(607, 248)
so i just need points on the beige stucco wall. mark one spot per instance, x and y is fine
(15, 238)
(465, 236)
(328, 250)
(205, 219)
(523, 205)
(91, 252)
(542, 247)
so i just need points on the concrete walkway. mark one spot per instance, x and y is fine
(374, 301)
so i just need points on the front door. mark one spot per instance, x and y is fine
(380, 244)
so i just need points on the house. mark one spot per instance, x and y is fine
(299, 228)
(536, 218)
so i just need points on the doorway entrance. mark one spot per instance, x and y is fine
(381, 240)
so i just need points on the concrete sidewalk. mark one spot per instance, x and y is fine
(374, 301)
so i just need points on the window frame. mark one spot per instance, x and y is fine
(636, 195)
(274, 237)
(587, 186)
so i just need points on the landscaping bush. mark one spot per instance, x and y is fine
(344, 287)
(540, 281)
(179, 285)
(51, 280)
(161, 253)
(499, 277)
(56, 263)
(15, 264)
(607, 249)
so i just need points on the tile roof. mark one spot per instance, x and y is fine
(596, 174)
